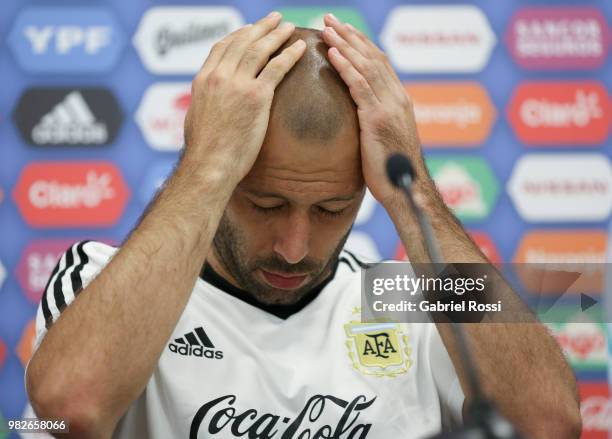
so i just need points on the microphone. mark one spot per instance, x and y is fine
(400, 171)
(484, 421)
(401, 174)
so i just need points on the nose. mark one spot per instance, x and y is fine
(293, 236)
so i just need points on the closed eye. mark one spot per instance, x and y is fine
(330, 213)
(266, 210)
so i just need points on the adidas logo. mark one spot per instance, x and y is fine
(70, 122)
(195, 344)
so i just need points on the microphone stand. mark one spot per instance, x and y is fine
(483, 420)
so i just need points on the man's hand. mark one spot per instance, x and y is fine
(85, 370)
(232, 95)
(385, 112)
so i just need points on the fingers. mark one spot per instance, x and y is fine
(358, 86)
(238, 46)
(351, 37)
(276, 69)
(257, 54)
(362, 44)
(366, 67)
(218, 50)
(355, 37)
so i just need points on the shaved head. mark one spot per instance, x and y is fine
(312, 102)
(289, 217)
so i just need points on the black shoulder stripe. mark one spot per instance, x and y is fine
(58, 294)
(75, 276)
(44, 302)
(361, 264)
(347, 262)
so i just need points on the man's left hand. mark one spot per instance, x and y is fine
(385, 112)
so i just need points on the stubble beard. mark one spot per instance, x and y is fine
(230, 250)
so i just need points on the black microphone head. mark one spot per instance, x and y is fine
(399, 169)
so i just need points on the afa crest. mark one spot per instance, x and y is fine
(379, 349)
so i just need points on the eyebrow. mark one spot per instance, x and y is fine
(262, 194)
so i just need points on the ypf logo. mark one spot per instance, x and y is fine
(466, 184)
(561, 113)
(438, 39)
(558, 38)
(66, 39)
(68, 116)
(68, 194)
(562, 187)
(451, 113)
(177, 39)
(36, 264)
(161, 114)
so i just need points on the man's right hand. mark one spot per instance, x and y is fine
(85, 369)
(232, 95)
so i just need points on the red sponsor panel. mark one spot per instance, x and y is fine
(558, 113)
(26, 342)
(482, 240)
(64, 194)
(2, 353)
(583, 251)
(400, 252)
(596, 410)
(37, 262)
(487, 246)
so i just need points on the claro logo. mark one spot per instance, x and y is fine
(71, 194)
(561, 113)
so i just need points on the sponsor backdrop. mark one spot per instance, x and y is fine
(512, 100)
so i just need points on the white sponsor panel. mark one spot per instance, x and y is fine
(177, 39)
(438, 39)
(596, 413)
(2, 274)
(367, 208)
(161, 114)
(562, 187)
(363, 246)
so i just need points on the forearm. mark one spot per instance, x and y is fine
(520, 365)
(142, 292)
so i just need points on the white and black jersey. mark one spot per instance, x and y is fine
(234, 368)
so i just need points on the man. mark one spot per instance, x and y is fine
(279, 149)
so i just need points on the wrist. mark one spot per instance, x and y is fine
(210, 174)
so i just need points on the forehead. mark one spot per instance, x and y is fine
(295, 168)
